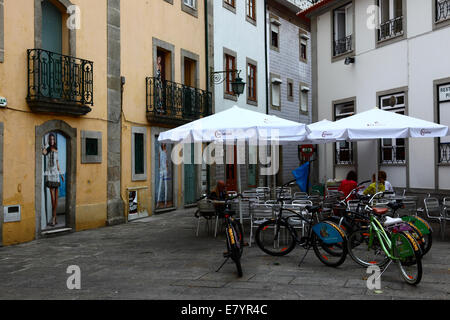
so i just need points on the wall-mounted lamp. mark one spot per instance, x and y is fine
(238, 85)
(349, 60)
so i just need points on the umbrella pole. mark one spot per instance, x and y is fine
(239, 187)
(377, 166)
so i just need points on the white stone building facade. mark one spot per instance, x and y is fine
(390, 54)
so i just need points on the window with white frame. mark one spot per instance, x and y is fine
(304, 99)
(344, 149)
(343, 29)
(276, 92)
(442, 10)
(275, 35)
(190, 3)
(393, 151)
(391, 19)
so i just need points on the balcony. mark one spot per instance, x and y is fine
(343, 45)
(59, 84)
(390, 29)
(176, 104)
(393, 155)
(344, 156)
(442, 10)
(444, 153)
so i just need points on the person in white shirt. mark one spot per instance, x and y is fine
(387, 185)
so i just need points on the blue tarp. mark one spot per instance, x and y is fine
(301, 174)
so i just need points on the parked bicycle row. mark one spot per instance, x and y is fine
(333, 226)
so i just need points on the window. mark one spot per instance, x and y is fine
(276, 91)
(290, 90)
(391, 19)
(190, 3)
(343, 30)
(443, 94)
(274, 35)
(304, 99)
(344, 149)
(230, 67)
(251, 82)
(251, 9)
(442, 10)
(91, 147)
(393, 151)
(139, 153)
(303, 53)
(230, 3)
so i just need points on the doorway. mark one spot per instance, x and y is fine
(54, 181)
(55, 188)
(231, 168)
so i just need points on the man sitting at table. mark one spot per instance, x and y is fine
(372, 189)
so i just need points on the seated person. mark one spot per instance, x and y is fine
(219, 193)
(387, 184)
(372, 189)
(349, 184)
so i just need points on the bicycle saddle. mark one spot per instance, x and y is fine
(391, 221)
(380, 211)
(313, 209)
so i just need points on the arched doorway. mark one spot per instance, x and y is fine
(55, 189)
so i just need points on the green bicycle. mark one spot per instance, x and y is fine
(381, 244)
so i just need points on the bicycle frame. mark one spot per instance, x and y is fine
(375, 228)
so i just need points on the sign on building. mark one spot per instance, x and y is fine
(444, 93)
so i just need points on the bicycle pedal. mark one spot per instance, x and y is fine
(226, 254)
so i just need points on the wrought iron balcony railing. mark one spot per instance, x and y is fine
(390, 29)
(344, 156)
(59, 83)
(393, 155)
(442, 10)
(444, 153)
(343, 45)
(172, 103)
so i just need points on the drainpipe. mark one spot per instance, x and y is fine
(265, 51)
(208, 167)
(267, 74)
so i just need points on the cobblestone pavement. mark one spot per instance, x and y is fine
(161, 258)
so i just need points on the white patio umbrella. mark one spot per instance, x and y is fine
(234, 125)
(377, 124)
(237, 124)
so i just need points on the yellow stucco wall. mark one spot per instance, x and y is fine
(20, 122)
(141, 21)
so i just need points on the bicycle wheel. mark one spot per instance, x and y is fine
(332, 255)
(235, 244)
(407, 250)
(361, 253)
(276, 239)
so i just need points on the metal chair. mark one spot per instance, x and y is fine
(205, 209)
(445, 213)
(300, 196)
(259, 214)
(434, 212)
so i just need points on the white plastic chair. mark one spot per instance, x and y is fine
(206, 210)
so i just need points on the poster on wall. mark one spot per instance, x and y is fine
(163, 176)
(54, 165)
